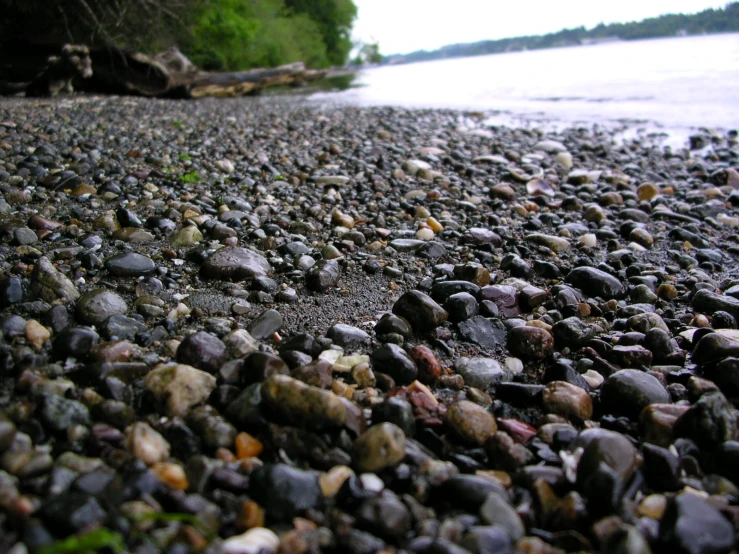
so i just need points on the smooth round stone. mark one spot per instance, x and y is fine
(595, 282)
(133, 235)
(178, 387)
(265, 324)
(392, 324)
(420, 310)
(60, 413)
(470, 422)
(530, 342)
(393, 360)
(692, 525)
(629, 391)
(284, 491)
(203, 351)
(572, 332)
(380, 447)
(497, 511)
(146, 444)
(258, 540)
(234, 264)
(608, 447)
(555, 244)
(130, 264)
(348, 336)
(709, 422)
(647, 191)
(50, 285)
(397, 411)
(570, 401)
(713, 347)
(461, 307)
(385, 515)
(98, 305)
(74, 341)
(323, 275)
(481, 373)
(187, 236)
(11, 291)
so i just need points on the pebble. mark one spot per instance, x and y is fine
(470, 422)
(146, 444)
(595, 282)
(51, 285)
(567, 400)
(178, 387)
(530, 342)
(96, 306)
(481, 373)
(379, 447)
(629, 391)
(420, 310)
(233, 263)
(130, 264)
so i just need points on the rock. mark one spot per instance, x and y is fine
(96, 306)
(550, 146)
(11, 291)
(323, 276)
(59, 413)
(629, 391)
(567, 400)
(74, 341)
(693, 526)
(423, 313)
(470, 422)
(481, 373)
(393, 360)
(530, 342)
(572, 333)
(187, 236)
(7, 432)
(488, 333)
(601, 446)
(505, 297)
(497, 511)
(385, 516)
(708, 422)
(657, 422)
(555, 244)
(72, 512)
(120, 327)
(203, 351)
(595, 282)
(265, 325)
(348, 337)
(285, 492)
(714, 347)
(234, 264)
(178, 387)
(708, 302)
(258, 540)
(397, 411)
(461, 307)
(130, 264)
(304, 405)
(380, 447)
(50, 285)
(146, 444)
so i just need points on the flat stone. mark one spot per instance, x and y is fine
(96, 306)
(629, 391)
(481, 373)
(234, 264)
(130, 264)
(488, 333)
(595, 282)
(51, 285)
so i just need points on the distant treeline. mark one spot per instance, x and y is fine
(708, 21)
(214, 34)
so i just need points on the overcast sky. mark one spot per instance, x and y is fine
(402, 26)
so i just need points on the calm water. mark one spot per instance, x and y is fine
(674, 85)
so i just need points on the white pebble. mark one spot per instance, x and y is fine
(255, 541)
(588, 240)
(513, 365)
(593, 378)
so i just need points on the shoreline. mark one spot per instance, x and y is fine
(234, 324)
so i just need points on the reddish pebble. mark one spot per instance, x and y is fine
(520, 432)
(429, 368)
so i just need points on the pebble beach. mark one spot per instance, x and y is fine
(261, 326)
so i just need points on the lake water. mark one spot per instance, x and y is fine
(665, 85)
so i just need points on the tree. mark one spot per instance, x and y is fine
(369, 52)
(334, 19)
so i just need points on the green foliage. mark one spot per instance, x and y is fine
(369, 52)
(334, 19)
(189, 178)
(87, 543)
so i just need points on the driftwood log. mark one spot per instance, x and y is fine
(112, 70)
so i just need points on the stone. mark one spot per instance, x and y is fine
(385, 515)
(75, 342)
(393, 360)
(203, 351)
(709, 422)
(96, 306)
(397, 411)
(304, 405)
(265, 324)
(130, 264)
(258, 540)
(657, 422)
(178, 387)
(284, 491)
(121, 327)
(50, 285)
(572, 333)
(380, 447)
(348, 337)
(530, 342)
(570, 401)
(461, 307)
(505, 297)
(555, 244)
(481, 373)
(488, 333)
(146, 444)
(595, 282)
(323, 275)
(709, 302)
(629, 391)
(420, 310)
(497, 511)
(59, 413)
(714, 347)
(233, 263)
(470, 422)
(187, 236)
(693, 526)
(12, 291)
(429, 368)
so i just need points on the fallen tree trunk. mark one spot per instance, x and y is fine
(113, 70)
